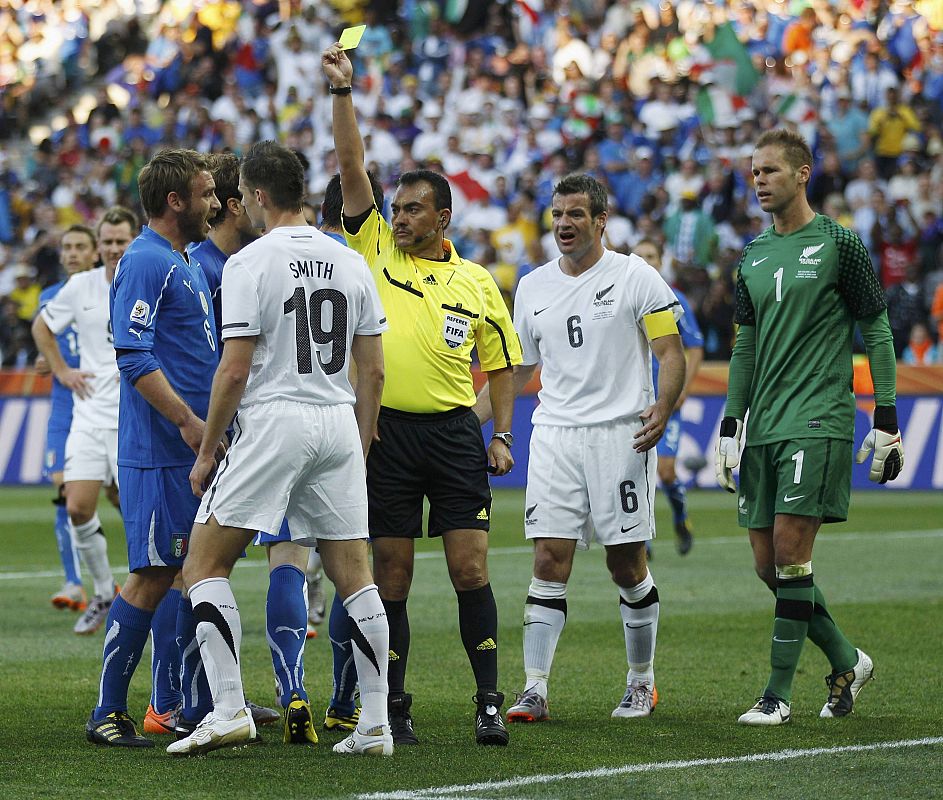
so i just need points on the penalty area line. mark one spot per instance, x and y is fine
(465, 790)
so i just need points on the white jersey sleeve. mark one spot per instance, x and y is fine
(83, 302)
(372, 320)
(59, 313)
(241, 310)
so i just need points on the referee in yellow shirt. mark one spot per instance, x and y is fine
(439, 308)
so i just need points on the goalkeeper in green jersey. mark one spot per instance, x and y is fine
(803, 285)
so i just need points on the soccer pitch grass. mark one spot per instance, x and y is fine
(880, 573)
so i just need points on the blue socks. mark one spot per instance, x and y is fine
(286, 623)
(165, 655)
(67, 552)
(345, 671)
(678, 498)
(197, 698)
(126, 634)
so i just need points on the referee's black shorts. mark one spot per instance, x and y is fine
(441, 456)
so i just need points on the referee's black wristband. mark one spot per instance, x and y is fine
(885, 418)
(339, 90)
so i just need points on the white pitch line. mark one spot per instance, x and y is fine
(463, 791)
(847, 536)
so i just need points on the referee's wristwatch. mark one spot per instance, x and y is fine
(505, 436)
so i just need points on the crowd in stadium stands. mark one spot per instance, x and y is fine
(660, 100)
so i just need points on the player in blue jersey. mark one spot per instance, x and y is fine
(77, 254)
(693, 342)
(166, 350)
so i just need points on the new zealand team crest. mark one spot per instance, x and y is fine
(455, 330)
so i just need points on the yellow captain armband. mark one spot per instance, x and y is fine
(661, 323)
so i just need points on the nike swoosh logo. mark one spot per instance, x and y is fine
(760, 261)
(536, 312)
(535, 622)
(788, 499)
(631, 527)
(784, 641)
(88, 308)
(604, 292)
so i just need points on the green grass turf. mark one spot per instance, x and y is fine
(880, 572)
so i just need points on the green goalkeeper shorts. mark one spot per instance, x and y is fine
(807, 477)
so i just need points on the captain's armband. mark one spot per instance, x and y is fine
(660, 323)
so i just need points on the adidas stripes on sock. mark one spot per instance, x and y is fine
(286, 622)
(219, 632)
(478, 625)
(544, 619)
(398, 622)
(639, 608)
(370, 638)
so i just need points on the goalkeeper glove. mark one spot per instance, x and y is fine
(727, 455)
(884, 439)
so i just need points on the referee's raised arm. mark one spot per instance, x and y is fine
(355, 184)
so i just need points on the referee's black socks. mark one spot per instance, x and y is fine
(399, 644)
(478, 623)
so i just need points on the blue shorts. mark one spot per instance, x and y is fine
(56, 435)
(158, 507)
(668, 444)
(283, 535)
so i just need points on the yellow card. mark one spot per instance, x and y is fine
(351, 37)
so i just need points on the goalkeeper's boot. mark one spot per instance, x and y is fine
(843, 687)
(377, 741)
(215, 732)
(530, 707)
(639, 700)
(335, 720)
(115, 730)
(769, 710)
(489, 726)
(299, 728)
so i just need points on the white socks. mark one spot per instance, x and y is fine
(544, 618)
(219, 632)
(639, 609)
(94, 551)
(370, 636)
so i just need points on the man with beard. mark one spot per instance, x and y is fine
(166, 351)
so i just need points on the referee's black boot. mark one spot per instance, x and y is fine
(401, 721)
(489, 725)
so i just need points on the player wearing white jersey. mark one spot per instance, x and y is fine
(91, 450)
(297, 306)
(593, 318)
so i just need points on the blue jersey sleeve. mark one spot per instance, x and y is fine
(135, 300)
(690, 331)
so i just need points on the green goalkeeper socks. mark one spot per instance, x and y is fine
(826, 635)
(794, 607)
